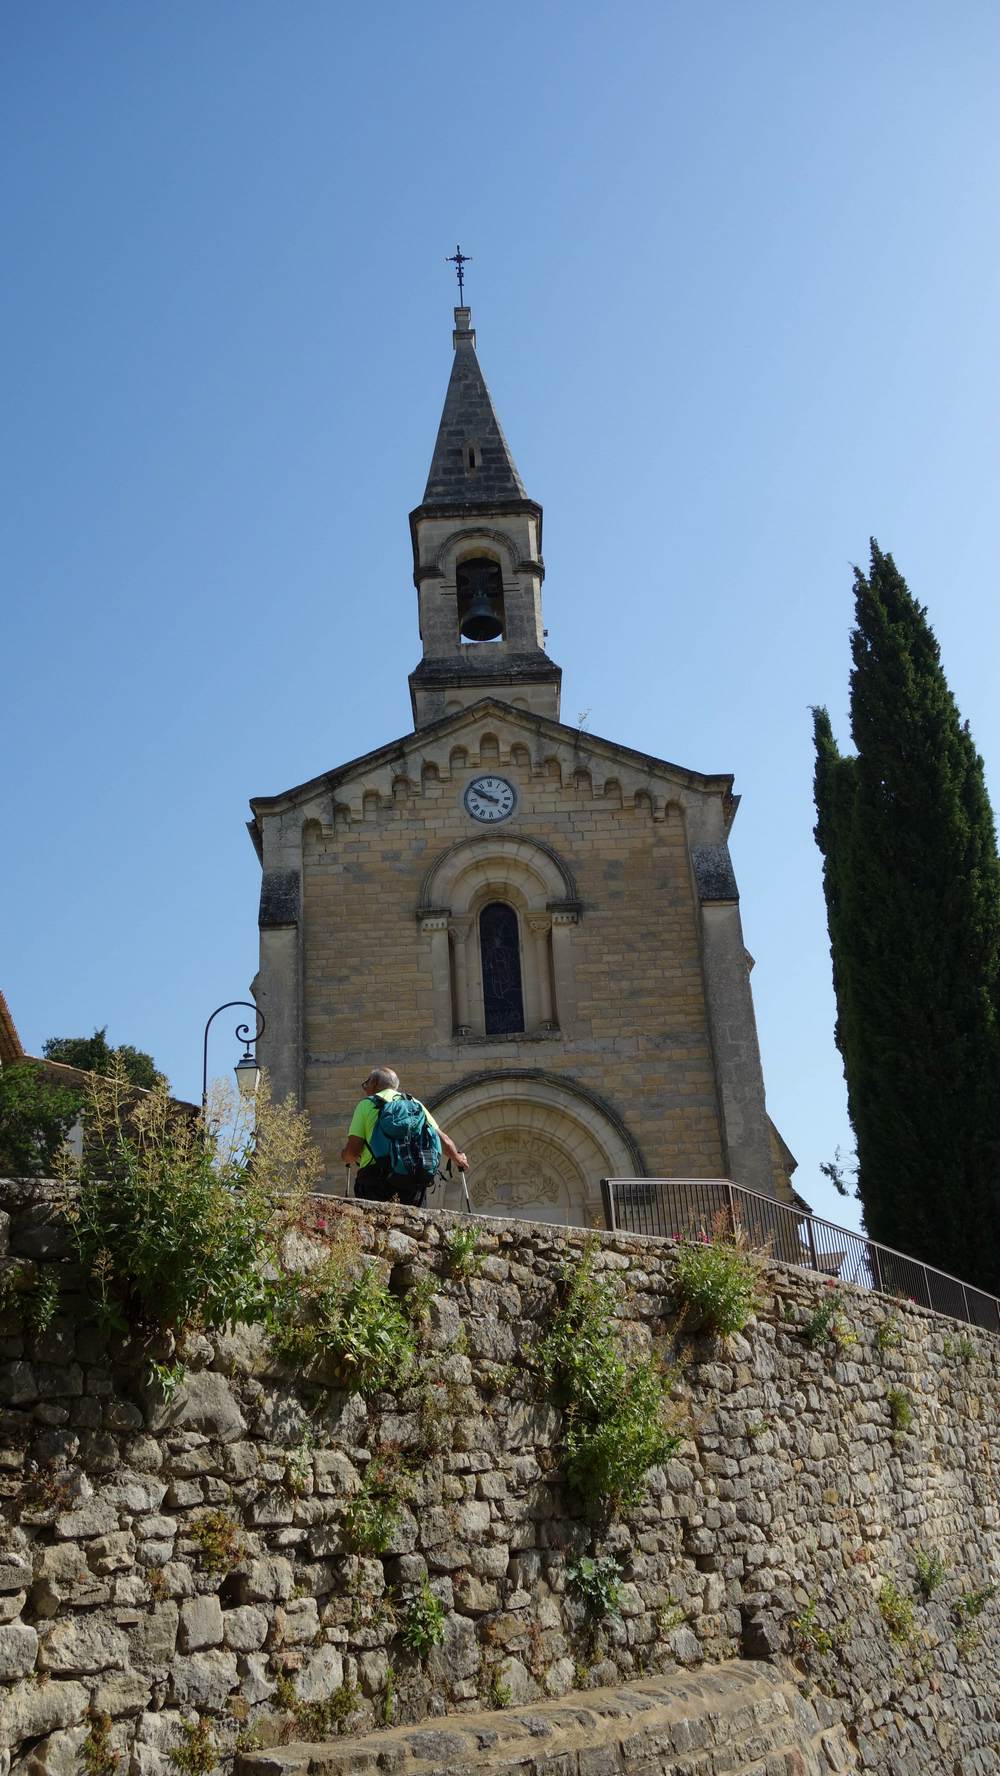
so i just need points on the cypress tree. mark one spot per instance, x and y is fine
(912, 884)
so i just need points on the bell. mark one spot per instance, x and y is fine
(481, 621)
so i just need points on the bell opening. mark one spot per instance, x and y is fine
(480, 601)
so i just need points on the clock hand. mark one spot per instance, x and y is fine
(485, 797)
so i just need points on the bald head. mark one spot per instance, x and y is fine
(382, 1079)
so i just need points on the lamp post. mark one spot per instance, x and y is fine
(247, 1071)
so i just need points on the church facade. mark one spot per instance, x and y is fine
(537, 928)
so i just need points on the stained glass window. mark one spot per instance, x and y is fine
(503, 999)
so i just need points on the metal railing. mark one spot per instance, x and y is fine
(685, 1208)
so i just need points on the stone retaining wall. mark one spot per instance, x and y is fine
(182, 1560)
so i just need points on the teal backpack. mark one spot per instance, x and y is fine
(405, 1150)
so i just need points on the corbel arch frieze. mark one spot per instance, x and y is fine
(448, 550)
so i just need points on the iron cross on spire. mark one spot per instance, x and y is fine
(459, 260)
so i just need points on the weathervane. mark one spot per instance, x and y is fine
(459, 260)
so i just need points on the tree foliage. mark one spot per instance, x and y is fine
(35, 1118)
(94, 1054)
(912, 884)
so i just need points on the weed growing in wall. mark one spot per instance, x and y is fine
(896, 1610)
(901, 1413)
(931, 1570)
(971, 1604)
(620, 1419)
(461, 1251)
(827, 1323)
(31, 1293)
(388, 1708)
(353, 1321)
(888, 1334)
(320, 1720)
(218, 1540)
(373, 1512)
(96, 1755)
(717, 1282)
(197, 1753)
(423, 1622)
(807, 1634)
(960, 1348)
(596, 1581)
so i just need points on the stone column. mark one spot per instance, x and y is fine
(459, 929)
(540, 926)
(563, 921)
(434, 925)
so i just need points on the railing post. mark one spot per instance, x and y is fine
(965, 1303)
(609, 1203)
(812, 1243)
(876, 1266)
(732, 1207)
(927, 1287)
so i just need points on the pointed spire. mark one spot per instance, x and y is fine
(472, 464)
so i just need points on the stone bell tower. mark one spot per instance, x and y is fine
(477, 561)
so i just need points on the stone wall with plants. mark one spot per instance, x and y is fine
(400, 1464)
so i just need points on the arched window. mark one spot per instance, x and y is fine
(503, 999)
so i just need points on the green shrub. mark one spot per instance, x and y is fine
(807, 1635)
(896, 1610)
(620, 1420)
(461, 1250)
(931, 1570)
(373, 1512)
(596, 1580)
(423, 1622)
(900, 1411)
(175, 1225)
(608, 1454)
(367, 1334)
(717, 1282)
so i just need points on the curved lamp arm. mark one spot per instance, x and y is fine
(242, 1033)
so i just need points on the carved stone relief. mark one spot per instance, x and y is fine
(520, 1174)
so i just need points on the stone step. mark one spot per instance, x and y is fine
(744, 1713)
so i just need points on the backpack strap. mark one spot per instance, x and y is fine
(379, 1104)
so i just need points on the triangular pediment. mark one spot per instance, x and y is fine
(576, 748)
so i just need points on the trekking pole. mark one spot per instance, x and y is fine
(465, 1187)
(347, 1181)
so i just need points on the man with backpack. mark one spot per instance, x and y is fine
(395, 1143)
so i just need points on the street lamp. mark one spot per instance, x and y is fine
(247, 1071)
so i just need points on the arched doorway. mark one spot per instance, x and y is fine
(538, 1147)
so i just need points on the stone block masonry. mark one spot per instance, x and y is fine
(189, 1559)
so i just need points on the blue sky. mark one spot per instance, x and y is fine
(735, 283)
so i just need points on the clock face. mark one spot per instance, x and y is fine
(490, 798)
